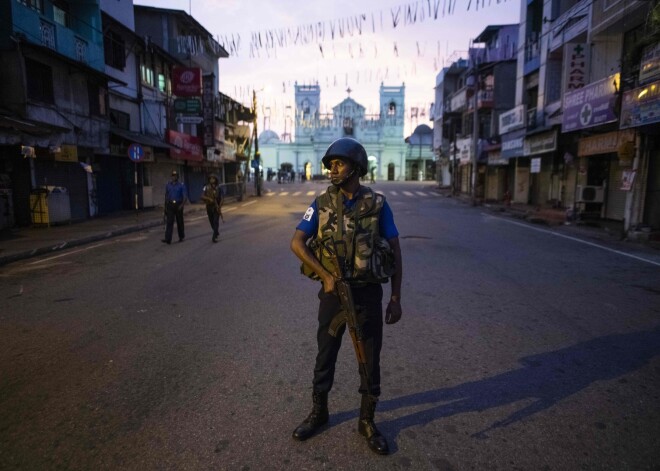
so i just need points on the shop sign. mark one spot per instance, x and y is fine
(207, 105)
(213, 154)
(592, 105)
(606, 143)
(495, 158)
(188, 105)
(512, 119)
(535, 165)
(464, 150)
(186, 81)
(148, 154)
(541, 143)
(649, 67)
(575, 66)
(186, 147)
(513, 144)
(641, 106)
(67, 153)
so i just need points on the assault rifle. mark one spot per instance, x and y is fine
(348, 313)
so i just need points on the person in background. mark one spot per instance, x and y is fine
(175, 199)
(212, 197)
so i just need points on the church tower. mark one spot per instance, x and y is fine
(308, 102)
(392, 114)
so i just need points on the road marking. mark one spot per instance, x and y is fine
(575, 239)
(421, 193)
(284, 193)
(233, 208)
(270, 193)
(248, 203)
(311, 193)
(68, 253)
(296, 193)
(393, 193)
(407, 193)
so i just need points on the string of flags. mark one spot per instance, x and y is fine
(267, 41)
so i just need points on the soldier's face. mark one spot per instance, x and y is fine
(340, 170)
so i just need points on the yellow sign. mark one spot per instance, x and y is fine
(67, 153)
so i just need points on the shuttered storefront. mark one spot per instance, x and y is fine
(616, 198)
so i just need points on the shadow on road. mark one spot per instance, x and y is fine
(545, 379)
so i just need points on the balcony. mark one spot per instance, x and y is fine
(569, 25)
(458, 101)
(532, 53)
(38, 29)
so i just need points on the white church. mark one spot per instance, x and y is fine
(381, 135)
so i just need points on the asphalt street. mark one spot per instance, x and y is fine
(520, 347)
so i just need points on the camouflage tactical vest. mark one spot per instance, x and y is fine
(364, 255)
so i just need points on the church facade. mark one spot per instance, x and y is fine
(381, 134)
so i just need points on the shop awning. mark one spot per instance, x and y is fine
(144, 139)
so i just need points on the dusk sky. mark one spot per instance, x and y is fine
(351, 44)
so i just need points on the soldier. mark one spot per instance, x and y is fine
(364, 216)
(212, 196)
(175, 198)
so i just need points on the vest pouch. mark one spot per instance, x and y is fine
(374, 259)
(382, 260)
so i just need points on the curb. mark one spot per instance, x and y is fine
(7, 259)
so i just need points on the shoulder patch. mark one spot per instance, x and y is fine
(308, 214)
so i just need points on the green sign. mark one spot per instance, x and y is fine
(187, 105)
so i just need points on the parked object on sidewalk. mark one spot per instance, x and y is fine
(50, 205)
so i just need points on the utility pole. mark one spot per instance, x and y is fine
(475, 126)
(256, 162)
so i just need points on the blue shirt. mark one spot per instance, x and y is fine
(310, 221)
(175, 191)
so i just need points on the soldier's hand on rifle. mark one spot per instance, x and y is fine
(328, 283)
(393, 311)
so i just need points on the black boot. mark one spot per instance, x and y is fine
(367, 427)
(315, 419)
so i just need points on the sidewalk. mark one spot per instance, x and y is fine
(603, 230)
(27, 242)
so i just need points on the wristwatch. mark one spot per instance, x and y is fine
(396, 299)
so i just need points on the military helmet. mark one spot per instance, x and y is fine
(349, 149)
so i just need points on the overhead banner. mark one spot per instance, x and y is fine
(592, 105)
(541, 143)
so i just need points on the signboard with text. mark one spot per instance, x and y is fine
(512, 119)
(187, 81)
(186, 147)
(592, 105)
(513, 144)
(641, 106)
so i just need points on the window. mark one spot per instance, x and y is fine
(348, 127)
(391, 110)
(146, 70)
(61, 12)
(114, 49)
(97, 99)
(120, 119)
(39, 81)
(36, 5)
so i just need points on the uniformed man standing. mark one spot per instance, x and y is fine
(364, 216)
(175, 198)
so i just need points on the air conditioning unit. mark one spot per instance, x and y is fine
(590, 194)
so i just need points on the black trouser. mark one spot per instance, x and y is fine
(214, 218)
(368, 303)
(172, 211)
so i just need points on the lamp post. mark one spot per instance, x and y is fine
(257, 156)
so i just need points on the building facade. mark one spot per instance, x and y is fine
(381, 134)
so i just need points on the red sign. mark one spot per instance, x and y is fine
(187, 81)
(186, 147)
